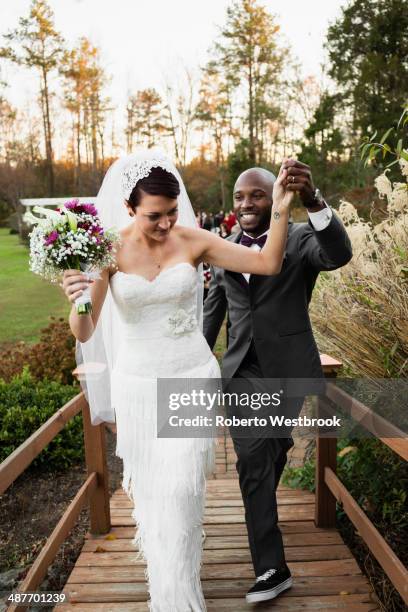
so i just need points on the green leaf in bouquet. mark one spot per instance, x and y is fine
(72, 218)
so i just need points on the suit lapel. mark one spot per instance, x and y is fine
(256, 280)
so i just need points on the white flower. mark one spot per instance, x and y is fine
(348, 212)
(383, 185)
(404, 166)
(181, 322)
(398, 201)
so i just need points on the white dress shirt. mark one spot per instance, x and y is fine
(320, 220)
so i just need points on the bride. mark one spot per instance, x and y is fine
(145, 325)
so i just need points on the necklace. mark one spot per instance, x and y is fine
(157, 263)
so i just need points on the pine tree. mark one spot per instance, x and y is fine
(40, 46)
(251, 58)
(368, 50)
(144, 118)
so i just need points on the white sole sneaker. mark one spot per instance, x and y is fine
(270, 593)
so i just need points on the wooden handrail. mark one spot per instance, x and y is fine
(330, 489)
(48, 553)
(95, 488)
(394, 437)
(21, 458)
(384, 554)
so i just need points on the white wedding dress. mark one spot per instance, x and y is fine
(165, 477)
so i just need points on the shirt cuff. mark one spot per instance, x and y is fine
(321, 219)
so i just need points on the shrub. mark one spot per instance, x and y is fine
(359, 464)
(53, 357)
(25, 404)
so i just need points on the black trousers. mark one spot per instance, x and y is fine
(260, 464)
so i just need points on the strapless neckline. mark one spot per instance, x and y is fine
(153, 280)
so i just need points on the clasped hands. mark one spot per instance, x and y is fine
(295, 177)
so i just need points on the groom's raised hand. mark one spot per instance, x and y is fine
(299, 179)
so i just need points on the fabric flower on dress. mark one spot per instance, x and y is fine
(181, 322)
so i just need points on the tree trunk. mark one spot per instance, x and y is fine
(78, 148)
(251, 152)
(102, 141)
(130, 129)
(48, 135)
(94, 143)
(173, 133)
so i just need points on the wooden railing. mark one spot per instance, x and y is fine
(330, 490)
(94, 490)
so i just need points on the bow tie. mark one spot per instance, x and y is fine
(248, 241)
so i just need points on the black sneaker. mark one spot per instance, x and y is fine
(269, 585)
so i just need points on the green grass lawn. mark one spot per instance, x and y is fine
(26, 300)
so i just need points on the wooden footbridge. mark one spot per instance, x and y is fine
(108, 576)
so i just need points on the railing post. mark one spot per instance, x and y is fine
(326, 456)
(95, 456)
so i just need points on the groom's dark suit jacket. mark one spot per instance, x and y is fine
(273, 310)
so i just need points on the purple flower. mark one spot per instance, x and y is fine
(51, 238)
(72, 204)
(90, 209)
(75, 206)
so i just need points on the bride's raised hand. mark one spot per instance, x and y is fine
(282, 195)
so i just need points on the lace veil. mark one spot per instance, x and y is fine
(96, 357)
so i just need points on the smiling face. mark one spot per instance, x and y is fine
(155, 216)
(253, 200)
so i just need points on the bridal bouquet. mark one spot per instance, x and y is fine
(70, 237)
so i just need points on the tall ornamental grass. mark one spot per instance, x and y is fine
(360, 312)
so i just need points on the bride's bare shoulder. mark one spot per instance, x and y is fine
(124, 233)
(190, 233)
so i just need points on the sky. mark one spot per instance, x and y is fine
(146, 43)
(143, 41)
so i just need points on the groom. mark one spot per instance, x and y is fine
(270, 336)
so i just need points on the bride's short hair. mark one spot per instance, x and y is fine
(158, 182)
